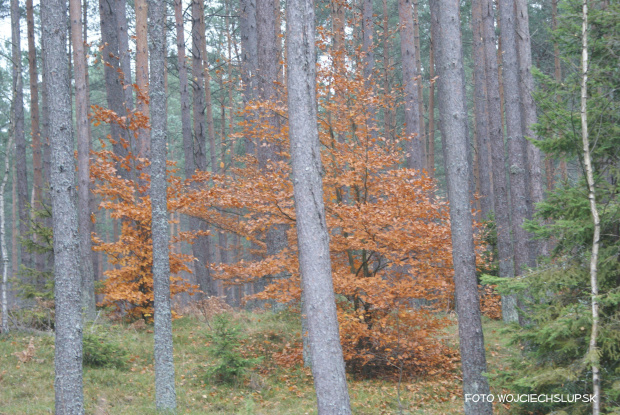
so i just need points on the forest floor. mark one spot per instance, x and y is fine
(26, 384)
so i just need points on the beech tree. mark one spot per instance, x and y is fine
(68, 281)
(312, 237)
(165, 394)
(454, 129)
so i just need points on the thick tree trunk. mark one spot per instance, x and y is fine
(83, 143)
(21, 164)
(498, 157)
(202, 245)
(454, 123)
(526, 87)
(480, 113)
(68, 282)
(142, 73)
(313, 238)
(415, 147)
(165, 394)
(519, 194)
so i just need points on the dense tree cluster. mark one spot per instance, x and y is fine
(368, 164)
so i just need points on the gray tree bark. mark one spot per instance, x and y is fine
(124, 55)
(415, 148)
(83, 144)
(454, 123)
(37, 176)
(165, 394)
(498, 158)
(202, 245)
(68, 281)
(249, 61)
(142, 72)
(480, 113)
(368, 61)
(267, 75)
(528, 106)
(312, 235)
(18, 130)
(519, 195)
(115, 94)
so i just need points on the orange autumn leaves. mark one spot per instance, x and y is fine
(390, 232)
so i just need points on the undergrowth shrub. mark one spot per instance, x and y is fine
(230, 366)
(101, 351)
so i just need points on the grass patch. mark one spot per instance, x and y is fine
(266, 387)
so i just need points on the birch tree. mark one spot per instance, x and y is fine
(587, 160)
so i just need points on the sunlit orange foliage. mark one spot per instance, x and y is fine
(129, 285)
(390, 233)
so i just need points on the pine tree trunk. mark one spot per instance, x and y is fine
(431, 109)
(480, 113)
(498, 157)
(165, 394)
(115, 94)
(312, 235)
(83, 144)
(186, 116)
(388, 113)
(526, 87)
(249, 57)
(142, 73)
(37, 163)
(453, 110)
(124, 55)
(18, 130)
(418, 59)
(415, 147)
(96, 256)
(267, 74)
(557, 75)
(202, 245)
(368, 61)
(68, 282)
(519, 194)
